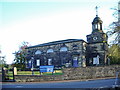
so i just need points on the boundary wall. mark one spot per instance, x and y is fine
(84, 73)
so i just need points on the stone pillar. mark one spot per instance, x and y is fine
(15, 70)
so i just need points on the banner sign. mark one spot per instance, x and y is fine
(47, 68)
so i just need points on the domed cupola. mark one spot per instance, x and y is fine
(97, 23)
(97, 20)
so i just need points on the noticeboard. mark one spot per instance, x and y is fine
(49, 68)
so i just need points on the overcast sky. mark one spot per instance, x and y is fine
(41, 21)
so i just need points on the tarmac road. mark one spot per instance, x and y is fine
(102, 83)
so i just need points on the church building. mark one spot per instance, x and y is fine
(71, 52)
(67, 53)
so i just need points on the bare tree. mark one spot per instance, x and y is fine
(114, 28)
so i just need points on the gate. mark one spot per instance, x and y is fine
(7, 74)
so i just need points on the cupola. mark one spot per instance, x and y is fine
(97, 23)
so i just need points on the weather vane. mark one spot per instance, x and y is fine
(96, 10)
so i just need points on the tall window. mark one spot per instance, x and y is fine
(38, 62)
(38, 52)
(49, 61)
(99, 26)
(63, 49)
(50, 51)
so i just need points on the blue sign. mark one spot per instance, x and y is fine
(47, 68)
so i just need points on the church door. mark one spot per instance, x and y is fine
(75, 61)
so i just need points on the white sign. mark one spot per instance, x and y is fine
(96, 60)
(75, 58)
(49, 69)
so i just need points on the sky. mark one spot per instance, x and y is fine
(42, 21)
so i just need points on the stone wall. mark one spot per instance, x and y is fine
(38, 78)
(73, 74)
(90, 72)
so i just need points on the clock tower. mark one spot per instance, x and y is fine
(97, 43)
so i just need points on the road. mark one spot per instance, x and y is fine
(102, 83)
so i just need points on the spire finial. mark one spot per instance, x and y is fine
(96, 10)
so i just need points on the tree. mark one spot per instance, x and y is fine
(114, 31)
(2, 60)
(114, 28)
(20, 60)
(114, 54)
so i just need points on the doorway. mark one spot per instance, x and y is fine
(75, 61)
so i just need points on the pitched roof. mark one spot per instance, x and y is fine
(56, 42)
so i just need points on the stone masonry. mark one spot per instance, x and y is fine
(73, 74)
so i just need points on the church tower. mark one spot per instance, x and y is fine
(97, 43)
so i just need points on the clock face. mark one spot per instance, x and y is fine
(95, 38)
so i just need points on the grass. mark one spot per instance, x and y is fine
(56, 72)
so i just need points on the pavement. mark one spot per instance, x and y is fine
(89, 84)
(101, 83)
(59, 81)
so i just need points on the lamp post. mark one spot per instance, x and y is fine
(32, 59)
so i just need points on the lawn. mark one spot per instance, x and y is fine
(56, 72)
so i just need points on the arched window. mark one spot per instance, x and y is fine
(38, 52)
(63, 49)
(50, 51)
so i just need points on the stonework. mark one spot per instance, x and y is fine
(71, 52)
(81, 74)
(68, 53)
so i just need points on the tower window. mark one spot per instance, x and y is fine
(98, 26)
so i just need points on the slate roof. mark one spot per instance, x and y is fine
(56, 42)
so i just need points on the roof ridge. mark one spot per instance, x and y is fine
(56, 42)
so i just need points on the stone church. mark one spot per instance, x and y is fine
(71, 52)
